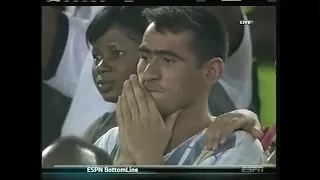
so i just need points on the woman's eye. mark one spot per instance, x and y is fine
(97, 59)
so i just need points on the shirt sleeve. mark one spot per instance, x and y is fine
(246, 151)
(109, 140)
(99, 127)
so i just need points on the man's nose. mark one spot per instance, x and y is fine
(151, 72)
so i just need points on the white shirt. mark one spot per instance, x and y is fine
(85, 12)
(71, 64)
(88, 105)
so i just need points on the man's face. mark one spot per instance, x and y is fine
(116, 57)
(168, 69)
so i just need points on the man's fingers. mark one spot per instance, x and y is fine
(150, 102)
(119, 117)
(248, 125)
(213, 141)
(126, 114)
(256, 132)
(171, 120)
(225, 134)
(132, 103)
(140, 97)
(219, 131)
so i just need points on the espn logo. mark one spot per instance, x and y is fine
(252, 169)
(246, 22)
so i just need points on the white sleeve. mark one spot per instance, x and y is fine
(71, 63)
(247, 151)
(109, 140)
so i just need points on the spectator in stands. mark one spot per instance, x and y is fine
(176, 49)
(54, 105)
(234, 89)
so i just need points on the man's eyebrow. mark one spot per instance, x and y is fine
(142, 48)
(169, 53)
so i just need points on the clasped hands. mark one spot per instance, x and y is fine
(143, 134)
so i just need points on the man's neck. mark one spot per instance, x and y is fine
(192, 121)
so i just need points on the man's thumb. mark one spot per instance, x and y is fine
(172, 118)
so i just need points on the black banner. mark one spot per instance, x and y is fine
(158, 3)
(157, 173)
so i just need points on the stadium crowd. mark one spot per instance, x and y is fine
(158, 85)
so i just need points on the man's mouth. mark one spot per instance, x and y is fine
(152, 90)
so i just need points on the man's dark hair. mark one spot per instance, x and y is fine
(209, 33)
(127, 17)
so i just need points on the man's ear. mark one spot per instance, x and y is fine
(213, 70)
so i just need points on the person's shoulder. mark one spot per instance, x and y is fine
(97, 128)
(109, 140)
(245, 139)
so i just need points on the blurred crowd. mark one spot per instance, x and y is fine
(88, 52)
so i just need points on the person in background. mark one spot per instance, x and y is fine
(63, 54)
(234, 88)
(54, 104)
(63, 50)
